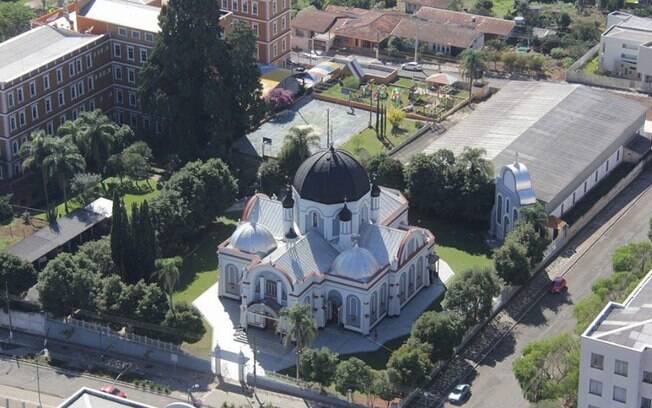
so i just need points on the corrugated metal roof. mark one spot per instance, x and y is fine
(390, 202)
(269, 213)
(562, 132)
(37, 47)
(124, 13)
(311, 253)
(383, 242)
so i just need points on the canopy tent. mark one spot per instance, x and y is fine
(323, 71)
(442, 79)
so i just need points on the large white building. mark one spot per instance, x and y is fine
(626, 46)
(616, 359)
(336, 242)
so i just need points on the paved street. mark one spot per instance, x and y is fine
(493, 383)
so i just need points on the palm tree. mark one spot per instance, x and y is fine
(33, 154)
(296, 148)
(472, 63)
(300, 327)
(98, 138)
(62, 163)
(168, 271)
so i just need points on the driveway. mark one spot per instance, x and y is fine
(494, 384)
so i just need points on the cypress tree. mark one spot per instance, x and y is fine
(378, 114)
(148, 237)
(116, 235)
(133, 253)
(126, 243)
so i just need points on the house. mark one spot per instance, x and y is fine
(616, 353)
(490, 27)
(547, 142)
(412, 6)
(626, 46)
(311, 29)
(364, 30)
(337, 242)
(89, 398)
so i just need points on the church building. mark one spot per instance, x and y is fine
(336, 241)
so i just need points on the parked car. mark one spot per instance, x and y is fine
(412, 66)
(558, 285)
(460, 394)
(110, 389)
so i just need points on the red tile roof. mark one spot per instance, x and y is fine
(444, 34)
(485, 25)
(372, 25)
(442, 4)
(315, 20)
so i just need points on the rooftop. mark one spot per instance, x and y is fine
(368, 25)
(37, 47)
(68, 227)
(446, 34)
(621, 33)
(628, 324)
(483, 24)
(561, 132)
(124, 13)
(90, 398)
(315, 20)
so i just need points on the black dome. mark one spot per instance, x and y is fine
(331, 176)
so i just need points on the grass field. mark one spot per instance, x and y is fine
(367, 140)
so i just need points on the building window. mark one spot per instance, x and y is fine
(118, 96)
(353, 311)
(80, 88)
(225, 5)
(49, 127)
(402, 287)
(621, 368)
(597, 361)
(149, 37)
(91, 105)
(595, 387)
(274, 7)
(274, 50)
(254, 26)
(78, 65)
(62, 98)
(117, 51)
(245, 6)
(21, 97)
(73, 92)
(620, 394)
(499, 209)
(32, 89)
(21, 118)
(117, 73)
(274, 28)
(10, 99)
(411, 280)
(46, 82)
(646, 403)
(135, 35)
(89, 61)
(91, 83)
(132, 99)
(131, 75)
(130, 53)
(234, 5)
(606, 167)
(48, 104)
(647, 377)
(283, 23)
(59, 75)
(254, 8)
(122, 32)
(585, 185)
(62, 119)
(34, 112)
(143, 55)
(12, 122)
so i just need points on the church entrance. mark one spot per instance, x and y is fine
(334, 308)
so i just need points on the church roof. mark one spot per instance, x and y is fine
(330, 177)
(310, 253)
(265, 211)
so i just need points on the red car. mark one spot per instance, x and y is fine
(558, 284)
(110, 389)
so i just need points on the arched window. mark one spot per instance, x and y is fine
(232, 280)
(420, 272)
(412, 246)
(515, 216)
(383, 299)
(353, 311)
(336, 227)
(313, 221)
(499, 209)
(374, 308)
(411, 280)
(507, 206)
(364, 214)
(402, 287)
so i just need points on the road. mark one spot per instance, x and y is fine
(493, 384)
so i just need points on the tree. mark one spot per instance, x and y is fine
(472, 64)
(15, 274)
(85, 186)
(136, 161)
(33, 154)
(96, 136)
(512, 263)
(441, 331)
(318, 365)
(272, 177)
(471, 294)
(382, 386)
(473, 175)
(186, 321)
(6, 211)
(409, 366)
(387, 171)
(120, 238)
(536, 62)
(483, 7)
(549, 369)
(168, 271)
(634, 257)
(280, 98)
(64, 286)
(300, 328)
(296, 148)
(96, 256)
(353, 374)
(152, 304)
(564, 22)
(62, 163)
(509, 60)
(395, 117)
(15, 18)
(111, 295)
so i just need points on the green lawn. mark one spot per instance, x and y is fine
(501, 7)
(203, 347)
(366, 141)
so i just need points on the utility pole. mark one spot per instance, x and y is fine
(11, 326)
(416, 42)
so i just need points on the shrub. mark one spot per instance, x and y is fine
(280, 99)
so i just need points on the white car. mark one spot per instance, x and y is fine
(460, 394)
(412, 66)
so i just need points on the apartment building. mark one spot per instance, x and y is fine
(616, 356)
(626, 46)
(270, 20)
(47, 76)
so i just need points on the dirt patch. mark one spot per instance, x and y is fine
(17, 230)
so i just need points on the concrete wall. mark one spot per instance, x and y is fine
(33, 323)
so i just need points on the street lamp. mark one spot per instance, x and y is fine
(45, 353)
(124, 370)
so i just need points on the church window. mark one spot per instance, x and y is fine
(353, 310)
(507, 206)
(499, 209)
(232, 280)
(420, 272)
(270, 289)
(402, 287)
(374, 308)
(364, 214)
(515, 217)
(336, 227)
(411, 280)
(383, 299)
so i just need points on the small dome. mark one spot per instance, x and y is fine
(375, 190)
(253, 239)
(345, 214)
(355, 263)
(288, 201)
(330, 176)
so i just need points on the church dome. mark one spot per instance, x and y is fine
(253, 239)
(355, 263)
(330, 177)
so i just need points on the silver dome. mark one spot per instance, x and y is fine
(253, 239)
(355, 263)
(522, 183)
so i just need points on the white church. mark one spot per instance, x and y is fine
(336, 242)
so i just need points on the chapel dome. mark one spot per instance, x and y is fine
(331, 176)
(355, 263)
(253, 239)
